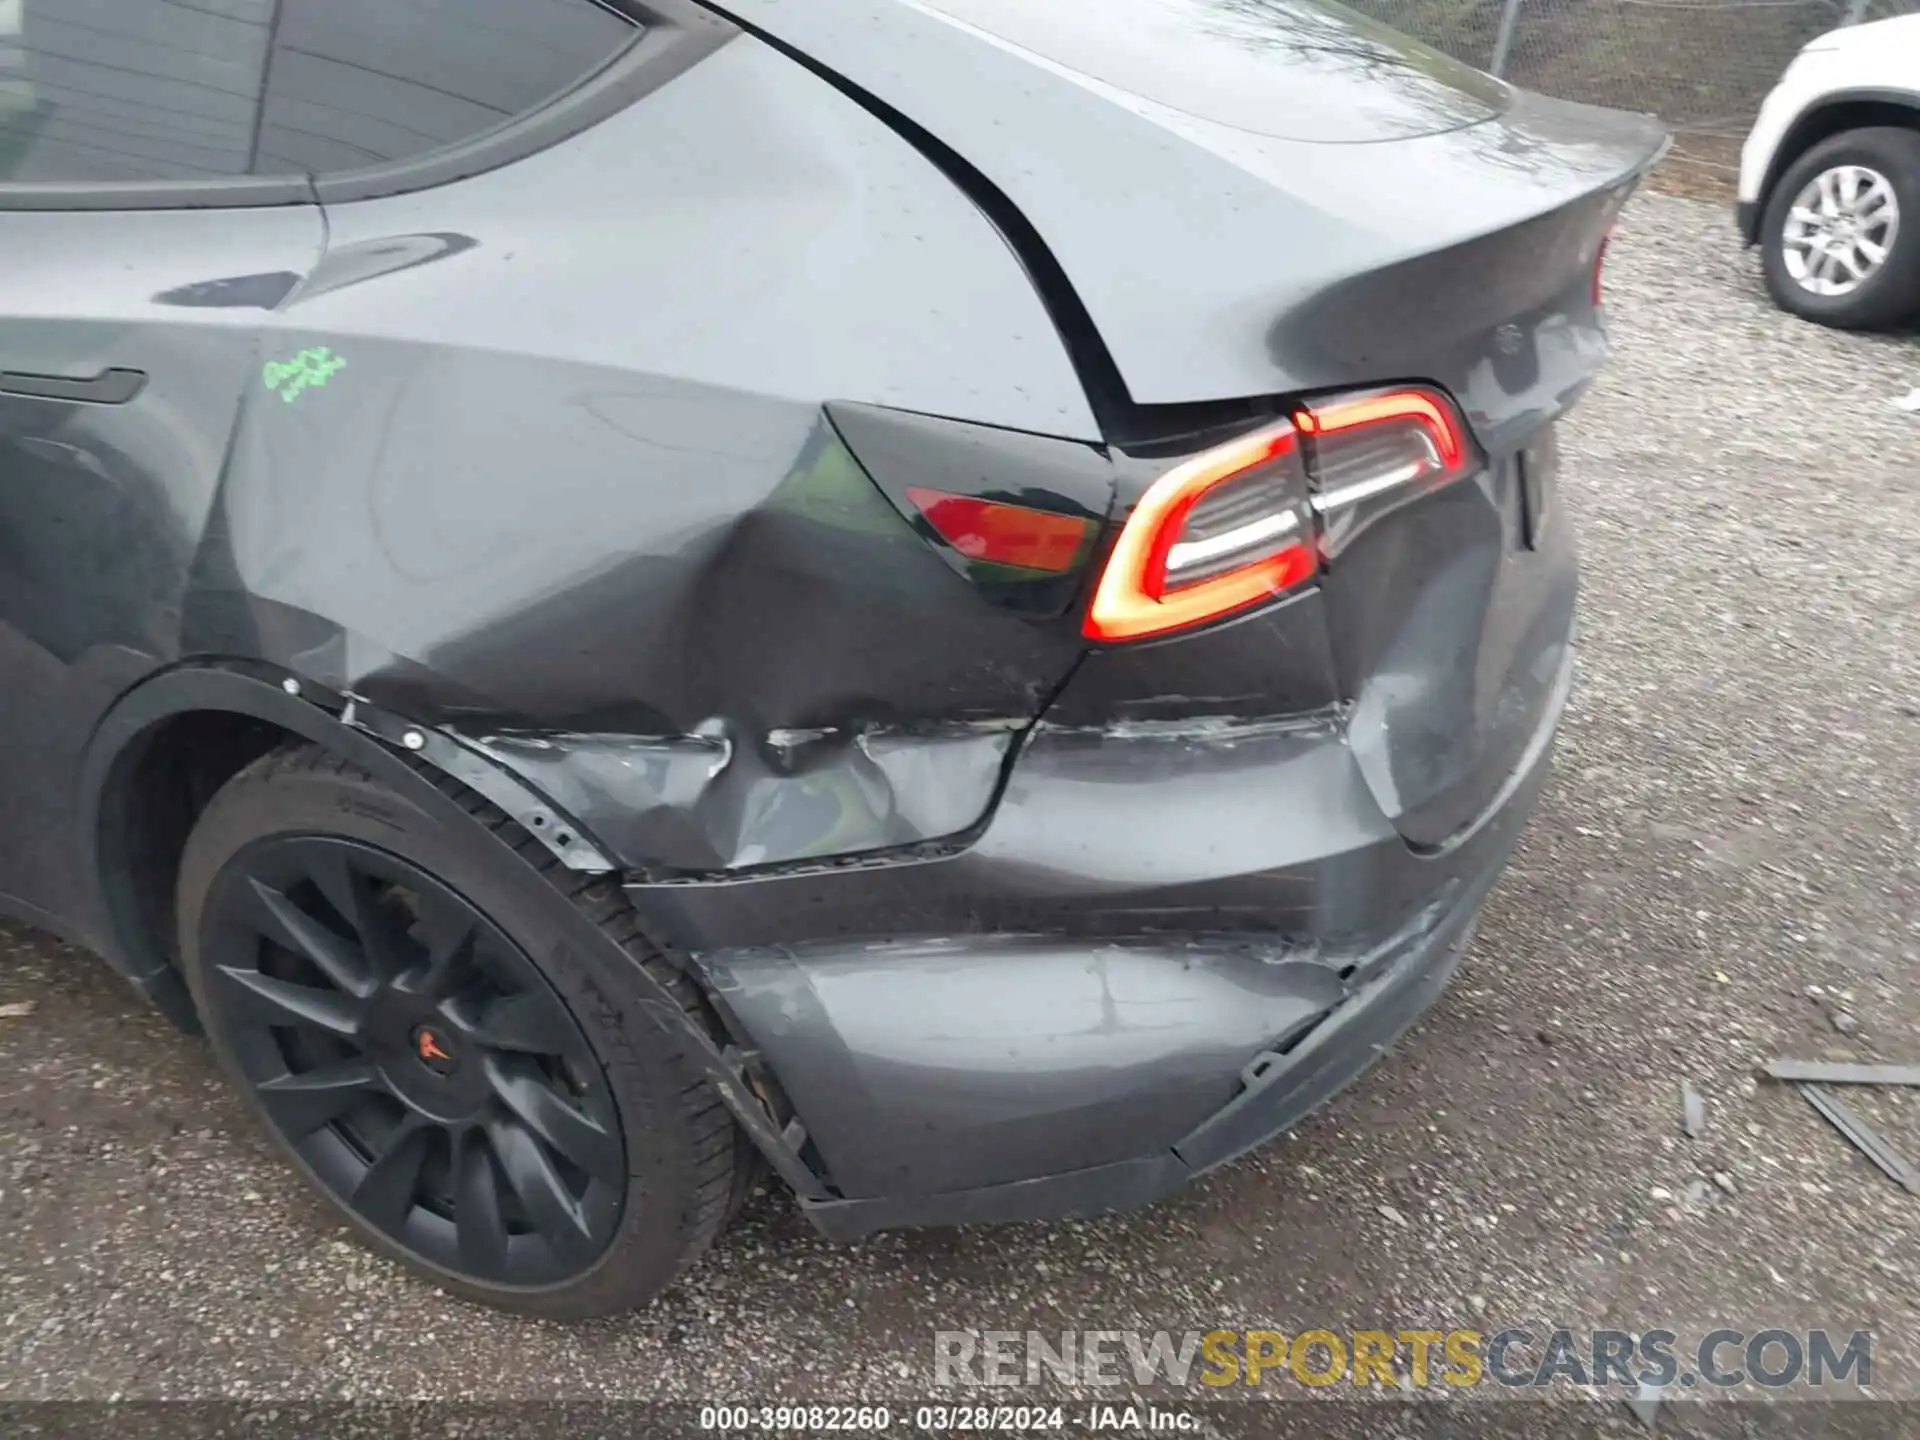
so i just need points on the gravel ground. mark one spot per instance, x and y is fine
(1723, 867)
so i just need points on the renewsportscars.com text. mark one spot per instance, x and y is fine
(1515, 1358)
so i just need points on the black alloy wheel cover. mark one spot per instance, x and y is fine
(415, 1059)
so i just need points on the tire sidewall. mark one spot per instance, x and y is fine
(1892, 295)
(646, 1066)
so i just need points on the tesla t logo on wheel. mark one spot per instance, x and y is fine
(430, 1048)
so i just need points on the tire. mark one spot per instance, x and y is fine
(537, 1142)
(1890, 294)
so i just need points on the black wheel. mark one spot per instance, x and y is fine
(433, 1031)
(1841, 235)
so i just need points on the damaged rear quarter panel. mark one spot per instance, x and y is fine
(700, 802)
(573, 494)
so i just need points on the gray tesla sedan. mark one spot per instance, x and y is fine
(957, 601)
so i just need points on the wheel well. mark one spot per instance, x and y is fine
(158, 787)
(1830, 120)
(159, 771)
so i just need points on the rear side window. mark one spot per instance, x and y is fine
(111, 91)
(360, 82)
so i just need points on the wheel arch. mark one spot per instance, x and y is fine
(131, 856)
(160, 752)
(1831, 115)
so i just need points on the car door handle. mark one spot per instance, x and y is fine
(115, 386)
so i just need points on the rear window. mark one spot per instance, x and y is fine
(1290, 69)
(111, 91)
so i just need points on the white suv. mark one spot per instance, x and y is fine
(1830, 178)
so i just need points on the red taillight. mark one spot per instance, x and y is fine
(1372, 454)
(1599, 264)
(1236, 525)
(1175, 565)
(1416, 413)
(996, 533)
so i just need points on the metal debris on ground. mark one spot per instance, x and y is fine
(1693, 1111)
(1864, 1137)
(16, 1009)
(1822, 1072)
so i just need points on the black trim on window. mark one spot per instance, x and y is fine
(232, 190)
(677, 34)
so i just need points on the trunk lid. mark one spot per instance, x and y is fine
(1348, 78)
(1368, 209)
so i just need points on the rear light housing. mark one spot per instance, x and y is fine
(1257, 517)
(1225, 530)
(1371, 454)
(993, 532)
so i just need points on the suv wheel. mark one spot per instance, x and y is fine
(1841, 235)
(418, 1021)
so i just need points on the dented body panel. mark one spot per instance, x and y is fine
(696, 803)
(577, 523)
(587, 536)
(590, 483)
(1133, 964)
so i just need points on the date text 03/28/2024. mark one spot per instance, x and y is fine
(947, 1418)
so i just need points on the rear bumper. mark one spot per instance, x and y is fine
(1278, 1091)
(1165, 948)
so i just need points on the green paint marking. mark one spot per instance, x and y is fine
(287, 378)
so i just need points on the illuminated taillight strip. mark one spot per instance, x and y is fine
(1360, 490)
(1436, 452)
(1429, 409)
(1140, 594)
(1133, 599)
(1188, 553)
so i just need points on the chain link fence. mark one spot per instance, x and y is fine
(1703, 66)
